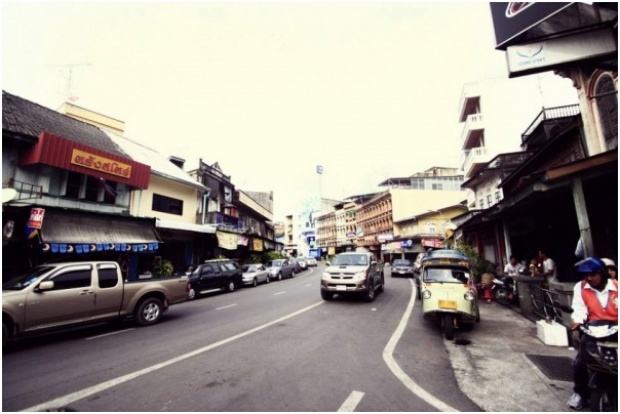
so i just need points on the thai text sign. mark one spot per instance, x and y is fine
(36, 218)
(95, 162)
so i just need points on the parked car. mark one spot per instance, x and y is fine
(353, 273)
(222, 274)
(58, 295)
(301, 262)
(280, 268)
(402, 267)
(311, 261)
(253, 274)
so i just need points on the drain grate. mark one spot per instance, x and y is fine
(554, 367)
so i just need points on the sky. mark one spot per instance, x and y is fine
(268, 90)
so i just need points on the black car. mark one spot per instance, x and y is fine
(223, 274)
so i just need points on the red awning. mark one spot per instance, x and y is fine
(74, 156)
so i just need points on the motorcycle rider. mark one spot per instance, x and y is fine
(595, 297)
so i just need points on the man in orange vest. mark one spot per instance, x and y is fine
(595, 297)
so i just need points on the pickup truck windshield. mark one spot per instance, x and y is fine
(25, 280)
(445, 275)
(351, 260)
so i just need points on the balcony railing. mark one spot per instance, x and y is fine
(474, 122)
(474, 156)
(26, 191)
(557, 114)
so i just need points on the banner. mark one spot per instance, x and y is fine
(226, 241)
(257, 244)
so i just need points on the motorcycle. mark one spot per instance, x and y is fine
(602, 364)
(503, 291)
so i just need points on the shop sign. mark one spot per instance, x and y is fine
(435, 243)
(98, 163)
(226, 241)
(406, 243)
(257, 245)
(385, 237)
(36, 218)
(350, 235)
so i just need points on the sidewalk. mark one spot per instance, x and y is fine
(496, 369)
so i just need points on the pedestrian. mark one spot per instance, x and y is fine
(533, 268)
(513, 267)
(611, 268)
(549, 270)
(595, 297)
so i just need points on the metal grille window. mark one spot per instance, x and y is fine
(607, 106)
(167, 205)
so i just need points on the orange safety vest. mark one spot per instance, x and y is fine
(596, 312)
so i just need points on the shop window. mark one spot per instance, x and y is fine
(167, 205)
(74, 182)
(92, 189)
(607, 106)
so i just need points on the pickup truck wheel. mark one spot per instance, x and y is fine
(231, 286)
(149, 312)
(370, 294)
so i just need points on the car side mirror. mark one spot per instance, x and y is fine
(43, 286)
(327, 263)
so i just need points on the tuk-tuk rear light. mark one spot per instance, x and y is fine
(469, 295)
(426, 294)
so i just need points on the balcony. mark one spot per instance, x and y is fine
(550, 123)
(475, 159)
(472, 130)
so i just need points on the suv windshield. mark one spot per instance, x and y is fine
(401, 262)
(25, 280)
(445, 275)
(351, 260)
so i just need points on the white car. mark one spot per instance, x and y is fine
(311, 261)
(253, 274)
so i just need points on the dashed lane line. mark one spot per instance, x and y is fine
(226, 307)
(108, 334)
(351, 402)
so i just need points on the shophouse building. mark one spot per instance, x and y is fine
(244, 225)
(563, 192)
(73, 187)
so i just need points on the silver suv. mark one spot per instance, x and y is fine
(356, 273)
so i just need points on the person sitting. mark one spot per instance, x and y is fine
(595, 297)
(513, 268)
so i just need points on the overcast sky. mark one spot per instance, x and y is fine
(268, 90)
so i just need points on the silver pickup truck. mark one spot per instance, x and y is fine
(62, 294)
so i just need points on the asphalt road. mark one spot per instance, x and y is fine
(276, 347)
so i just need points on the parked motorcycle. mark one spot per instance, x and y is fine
(503, 291)
(602, 364)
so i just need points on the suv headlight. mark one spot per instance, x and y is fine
(360, 276)
(326, 275)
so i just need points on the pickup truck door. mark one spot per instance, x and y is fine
(71, 300)
(108, 291)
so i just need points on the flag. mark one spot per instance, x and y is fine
(107, 187)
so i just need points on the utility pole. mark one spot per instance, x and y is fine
(319, 171)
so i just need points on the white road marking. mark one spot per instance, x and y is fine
(279, 293)
(108, 334)
(86, 392)
(309, 284)
(397, 370)
(351, 402)
(227, 306)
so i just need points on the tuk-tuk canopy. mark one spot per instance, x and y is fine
(443, 257)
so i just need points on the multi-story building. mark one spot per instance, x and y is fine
(74, 188)
(244, 225)
(492, 112)
(435, 178)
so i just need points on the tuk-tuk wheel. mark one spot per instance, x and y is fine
(448, 326)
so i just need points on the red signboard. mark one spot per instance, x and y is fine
(36, 218)
(435, 243)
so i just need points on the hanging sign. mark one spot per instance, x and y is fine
(36, 218)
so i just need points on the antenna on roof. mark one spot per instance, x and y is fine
(69, 96)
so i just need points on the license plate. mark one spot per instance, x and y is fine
(341, 287)
(402, 272)
(447, 304)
